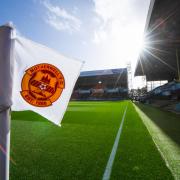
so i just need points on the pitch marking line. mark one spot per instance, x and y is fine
(108, 169)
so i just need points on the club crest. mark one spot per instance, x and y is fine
(42, 85)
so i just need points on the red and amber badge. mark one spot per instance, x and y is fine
(42, 85)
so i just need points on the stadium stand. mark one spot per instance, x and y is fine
(109, 84)
(159, 59)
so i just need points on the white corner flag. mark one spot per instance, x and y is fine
(43, 79)
(32, 77)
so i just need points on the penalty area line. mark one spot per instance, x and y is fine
(108, 169)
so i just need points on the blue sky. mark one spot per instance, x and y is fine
(103, 33)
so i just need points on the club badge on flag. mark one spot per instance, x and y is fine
(43, 79)
(42, 85)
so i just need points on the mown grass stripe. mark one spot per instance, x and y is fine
(108, 169)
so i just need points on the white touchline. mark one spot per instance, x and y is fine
(107, 172)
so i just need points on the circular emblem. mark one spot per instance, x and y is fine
(42, 85)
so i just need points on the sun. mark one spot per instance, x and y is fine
(121, 46)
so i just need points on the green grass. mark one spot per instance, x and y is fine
(137, 157)
(80, 148)
(169, 122)
(164, 128)
(77, 150)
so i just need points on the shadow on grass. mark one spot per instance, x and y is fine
(27, 116)
(167, 121)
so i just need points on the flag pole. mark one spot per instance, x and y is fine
(4, 143)
(6, 84)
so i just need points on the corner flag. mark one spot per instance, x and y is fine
(43, 79)
(32, 77)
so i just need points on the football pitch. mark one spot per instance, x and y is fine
(81, 147)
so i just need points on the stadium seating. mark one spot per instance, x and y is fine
(166, 96)
(101, 85)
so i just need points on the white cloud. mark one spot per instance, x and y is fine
(120, 27)
(84, 43)
(99, 36)
(116, 16)
(60, 19)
